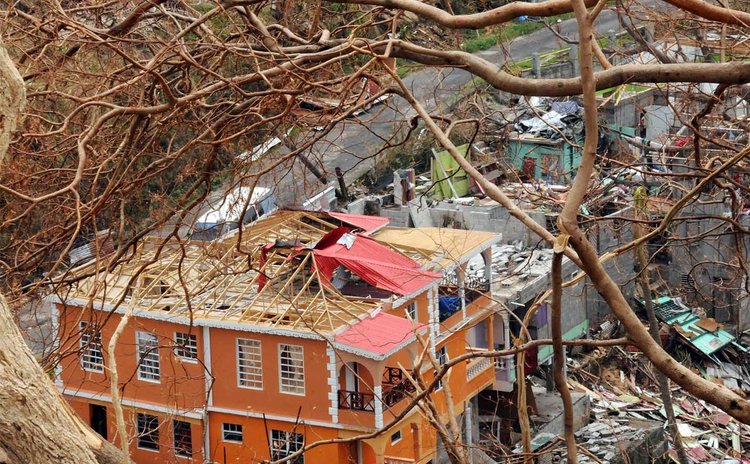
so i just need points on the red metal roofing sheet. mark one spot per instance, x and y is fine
(376, 264)
(378, 335)
(366, 223)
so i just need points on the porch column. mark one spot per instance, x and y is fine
(461, 278)
(490, 321)
(432, 311)
(378, 393)
(487, 257)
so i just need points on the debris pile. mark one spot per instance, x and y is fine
(513, 259)
(625, 399)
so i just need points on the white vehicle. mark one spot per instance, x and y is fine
(226, 214)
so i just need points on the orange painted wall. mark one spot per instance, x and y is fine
(227, 394)
(182, 383)
(166, 445)
(255, 444)
(422, 310)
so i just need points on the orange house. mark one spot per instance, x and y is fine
(304, 327)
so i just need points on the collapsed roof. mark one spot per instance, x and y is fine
(293, 270)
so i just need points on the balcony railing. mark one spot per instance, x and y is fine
(357, 401)
(477, 366)
(400, 386)
(470, 282)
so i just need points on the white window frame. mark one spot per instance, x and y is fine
(411, 310)
(249, 363)
(186, 346)
(232, 428)
(91, 355)
(282, 436)
(148, 343)
(396, 437)
(140, 433)
(290, 385)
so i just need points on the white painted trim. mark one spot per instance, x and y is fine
(378, 394)
(291, 420)
(333, 382)
(200, 322)
(182, 358)
(403, 299)
(207, 367)
(223, 433)
(193, 414)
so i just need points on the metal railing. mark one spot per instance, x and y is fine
(357, 401)
(400, 386)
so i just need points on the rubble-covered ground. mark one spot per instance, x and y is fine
(626, 407)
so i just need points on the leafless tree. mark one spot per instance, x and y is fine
(134, 109)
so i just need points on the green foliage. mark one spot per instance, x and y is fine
(507, 33)
(480, 42)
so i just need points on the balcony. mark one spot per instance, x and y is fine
(477, 366)
(398, 392)
(357, 401)
(395, 387)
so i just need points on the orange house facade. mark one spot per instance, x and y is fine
(306, 328)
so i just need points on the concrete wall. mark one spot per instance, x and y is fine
(606, 235)
(718, 285)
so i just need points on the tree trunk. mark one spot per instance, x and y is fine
(36, 424)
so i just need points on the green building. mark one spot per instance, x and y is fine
(552, 160)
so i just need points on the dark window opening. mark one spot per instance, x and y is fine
(99, 419)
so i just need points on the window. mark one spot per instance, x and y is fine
(292, 369)
(98, 415)
(91, 348)
(411, 310)
(249, 364)
(284, 444)
(148, 432)
(148, 356)
(396, 437)
(187, 346)
(183, 439)
(232, 432)
(442, 358)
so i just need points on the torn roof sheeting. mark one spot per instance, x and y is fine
(374, 263)
(366, 223)
(438, 247)
(379, 336)
(704, 334)
(693, 329)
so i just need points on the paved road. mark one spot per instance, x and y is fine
(351, 144)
